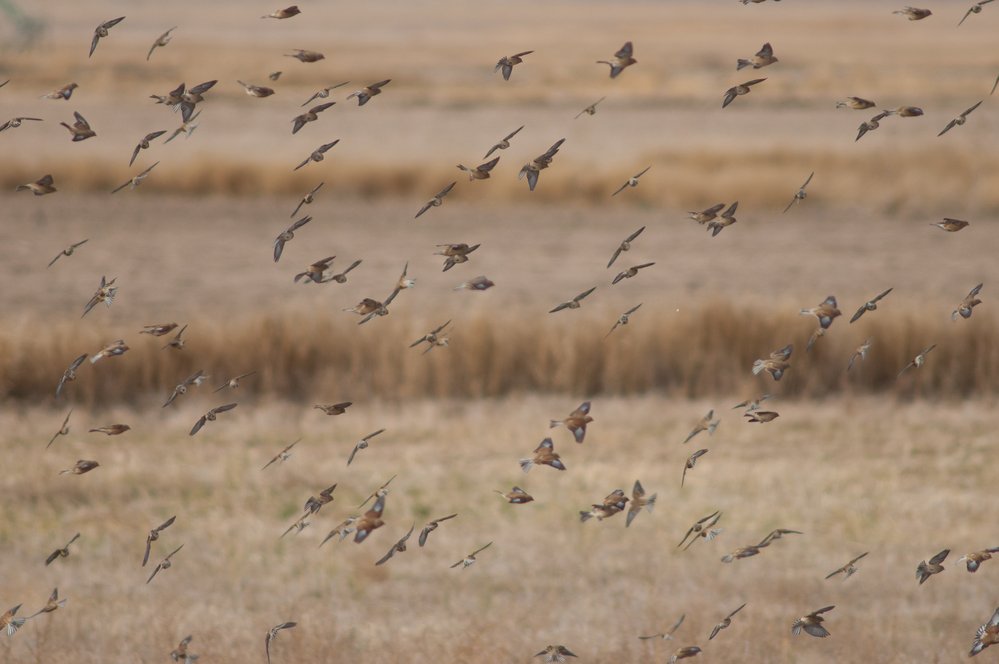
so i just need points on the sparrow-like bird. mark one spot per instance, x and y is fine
(859, 353)
(684, 653)
(9, 623)
(369, 91)
(507, 62)
(345, 528)
(706, 423)
(703, 527)
(914, 13)
(111, 429)
(974, 559)
(159, 329)
(40, 187)
(975, 9)
(726, 621)
(544, 455)
(613, 503)
(272, 634)
(311, 115)
(101, 31)
(113, 349)
(69, 375)
(455, 253)
(315, 503)
(105, 293)
(341, 277)
(704, 216)
(335, 408)
(624, 318)
(668, 635)
(135, 181)
(180, 654)
(286, 236)
(632, 181)
(281, 456)
(322, 93)
(690, 463)
(763, 57)
(622, 60)
(987, 635)
(303, 55)
(752, 404)
(399, 547)
(800, 195)
(51, 605)
(192, 97)
(82, 466)
(362, 445)
(377, 493)
(638, 501)
(317, 154)
(259, 91)
(61, 552)
(576, 422)
(848, 569)
(775, 365)
(504, 142)
(164, 564)
(532, 169)
(479, 283)
(591, 109)
(160, 42)
(371, 520)
(210, 416)
(480, 172)
(287, 12)
(961, 119)
(917, 361)
(970, 301)
(555, 654)
(178, 340)
(761, 416)
(716, 226)
(870, 125)
(65, 92)
(905, 111)
(470, 558)
(432, 526)
(925, 570)
(63, 430)
(80, 130)
(187, 128)
(431, 336)
(233, 382)
(630, 272)
(856, 103)
(144, 144)
(811, 623)
(951, 225)
(826, 313)
(870, 305)
(741, 89)
(437, 200)
(515, 496)
(314, 272)
(154, 535)
(625, 245)
(574, 303)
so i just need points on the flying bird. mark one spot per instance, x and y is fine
(281, 456)
(341, 277)
(192, 97)
(233, 382)
(800, 195)
(632, 181)
(684, 653)
(913, 13)
(322, 93)
(154, 535)
(210, 416)
(377, 493)
(480, 172)
(576, 422)
(51, 605)
(848, 569)
(951, 225)
(690, 463)
(178, 340)
(362, 445)
(613, 503)
(624, 318)
(507, 62)
(925, 570)
(775, 365)
(860, 353)
(704, 216)
(554, 654)
(455, 254)
(259, 91)
(317, 155)
(544, 455)
(287, 12)
(272, 634)
(180, 654)
(80, 130)
(516, 496)
(398, 547)
(432, 526)
(314, 272)
(437, 200)
(741, 89)
(870, 125)
(479, 283)
(105, 293)
(369, 91)
(9, 623)
(14, 123)
(856, 103)
(112, 429)
(504, 143)
(68, 251)
(638, 501)
(532, 169)
(287, 235)
(811, 623)
(135, 181)
(82, 466)
(917, 361)
(334, 409)
(574, 303)
(371, 520)
(431, 336)
(668, 635)
(160, 42)
(63, 430)
(763, 57)
(303, 55)
(970, 301)
(622, 60)
(470, 558)
(591, 109)
(726, 621)
(65, 92)
(311, 115)
(113, 349)
(625, 245)
(703, 527)
(974, 559)
(706, 423)
(870, 305)
(975, 9)
(101, 31)
(144, 145)
(61, 552)
(727, 219)
(987, 635)
(961, 119)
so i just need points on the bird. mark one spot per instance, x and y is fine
(160, 42)
(287, 235)
(287, 12)
(63, 430)
(61, 552)
(742, 552)
(144, 144)
(741, 89)
(322, 93)
(362, 445)
(377, 493)
(727, 219)
(314, 272)
(341, 278)
(986, 635)
(544, 455)
(638, 501)
(574, 303)
(870, 305)
(172, 98)
(905, 111)
(210, 416)
(154, 535)
(9, 623)
(690, 463)
(776, 535)
(135, 181)
(233, 382)
(800, 195)
(505, 141)
(192, 97)
(303, 55)
(632, 181)
(776, 364)
(591, 109)
(470, 558)
(970, 301)
(531, 169)
(82, 466)
(311, 115)
(178, 340)
(706, 423)
(703, 527)
(344, 529)
(961, 119)
(105, 293)
(51, 605)
(101, 31)
(334, 409)
(272, 634)
(281, 456)
(431, 336)
(684, 653)
(951, 225)
(479, 283)
(40, 187)
(432, 526)
(113, 349)
(370, 520)
(917, 361)
(752, 404)
(399, 547)
(848, 569)
(763, 57)
(507, 62)
(913, 13)
(317, 155)
(313, 504)
(613, 503)
(706, 215)
(811, 623)
(856, 103)
(259, 91)
(826, 313)
(180, 654)
(975, 9)
(576, 422)
(667, 635)
(860, 352)
(925, 570)
(80, 130)
(624, 318)
(726, 621)
(480, 172)
(65, 92)
(369, 91)
(762, 416)
(622, 60)
(112, 429)
(164, 564)
(870, 125)
(437, 200)
(455, 253)
(14, 123)
(516, 496)
(625, 245)
(974, 559)
(555, 654)
(187, 128)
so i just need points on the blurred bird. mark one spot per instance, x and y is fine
(334, 409)
(281, 456)
(574, 303)
(317, 155)
(272, 634)
(703, 527)
(987, 635)
(961, 119)
(905, 111)
(82, 466)
(172, 98)
(776, 535)
(544, 455)
(763, 57)
(160, 42)
(259, 91)
(369, 91)
(377, 493)
(591, 109)
(311, 115)
(516, 496)
(342, 530)
(505, 142)
(576, 422)
(303, 55)
(638, 501)
(180, 654)
(507, 62)
(622, 60)
(870, 125)
(314, 272)
(870, 305)
(233, 382)
(776, 364)
(975, 9)
(531, 169)
(178, 340)
(61, 552)
(684, 653)
(371, 520)
(287, 235)
(432, 526)
(164, 564)
(398, 547)
(315, 503)
(974, 559)
(210, 416)
(322, 93)
(624, 318)
(630, 272)
(625, 245)
(811, 623)
(455, 253)
(917, 361)
(192, 97)
(707, 215)
(848, 569)
(470, 558)
(741, 89)
(51, 605)
(144, 144)
(632, 181)
(613, 503)
(113, 349)
(14, 123)
(951, 225)
(341, 278)
(287, 12)
(969, 302)
(69, 374)
(925, 570)
(40, 187)
(112, 429)
(105, 293)
(307, 199)
(101, 31)
(706, 423)
(479, 283)
(63, 430)
(668, 635)
(752, 404)
(860, 352)
(727, 219)
(437, 200)
(555, 654)
(690, 463)
(856, 103)
(135, 181)
(913, 14)
(9, 623)
(65, 92)
(362, 445)
(726, 621)
(158, 330)
(187, 128)
(154, 535)
(800, 195)
(826, 313)
(80, 130)
(480, 172)
(431, 336)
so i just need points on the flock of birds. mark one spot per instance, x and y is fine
(716, 218)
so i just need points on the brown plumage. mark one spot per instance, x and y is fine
(576, 422)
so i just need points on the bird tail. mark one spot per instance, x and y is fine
(741, 64)
(650, 502)
(554, 423)
(525, 464)
(757, 367)
(585, 516)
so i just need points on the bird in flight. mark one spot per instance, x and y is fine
(101, 31)
(154, 535)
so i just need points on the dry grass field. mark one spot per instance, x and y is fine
(857, 461)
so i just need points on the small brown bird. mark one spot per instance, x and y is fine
(113, 349)
(848, 569)
(470, 558)
(706, 423)
(811, 623)
(690, 463)
(154, 535)
(172, 98)
(160, 42)
(591, 109)
(638, 501)
(313, 503)
(544, 455)
(479, 283)
(870, 305)
(197, 378)
(286, 236)
(480, 172)
(576, 422)
(311, 115)
(975, 9)
(959, 120)
(776, 364)
(625, 245)
(341, 278)
(112, 429)
(974, 559)
(51, 605)
(741, 89)
(80, 130)
(925, 570)
(859, 353)
(763, 57)
(399, 547)
(314, 272)
(516, 496)
(969, 302)
(742, 552)
(14, 123)
(322, 93)
(905, 111)
(158, 330)
(826, 312)
(61, 552)
(870, 125)
(233, 383)
(371, 520)
(455, 254)
(987, 635)
(281, 456)
(367, 92)
(703, 527)
(507, 62)
(334, 409)
(727, 219)
(101, 31)
(377, 493)
(144, 144)
(951, 225)
(344, 529)
(368, 307)
(555, 654)
(752, 404)
(856, 103)
(613, 503)
(437, 200)
(431, 336)
(164, 564)
(762, 416)
(668, 635)
(622, 60)
(913, 13)
(724, 623)
(40, 187)
(684, 653)
(432, 526)
(9, 623)
(776, 535)
(63, 430)
(178, 340)
(180, 654)
(574, 303)
(624, 318)
(303, 55)
(630, 272)
(186, 128)
(210, 416)
(65, 92)
(504, 142)
(136, 180)
(531, 169)
(362, 445)
(317, 155)
(272, 634)
(287, 12)
(69, 375)
(259, 91)
(707, 215)
(917, 361)
(800, 195)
